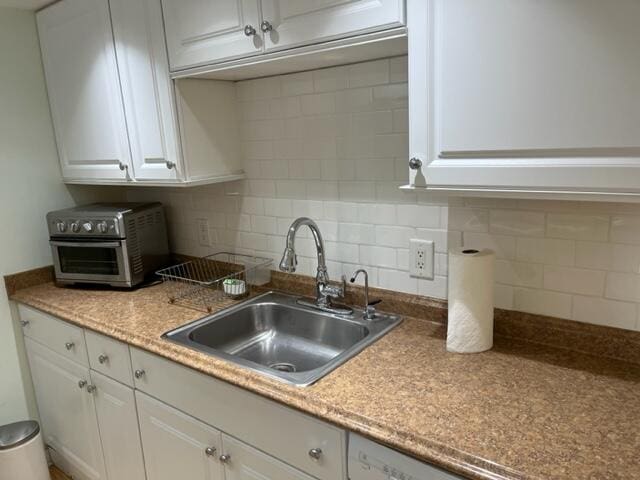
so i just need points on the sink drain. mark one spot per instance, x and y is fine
(283, 367)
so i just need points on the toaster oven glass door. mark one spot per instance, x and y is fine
(87, 261)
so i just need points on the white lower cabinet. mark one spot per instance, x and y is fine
(118, 422)
(67, 412)
(177, 445)
(246, 463)
(174, 423)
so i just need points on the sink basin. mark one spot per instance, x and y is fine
(274, 335)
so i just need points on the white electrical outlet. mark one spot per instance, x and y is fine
(421, 258)
(203, 232)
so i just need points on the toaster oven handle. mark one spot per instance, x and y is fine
(57, 243)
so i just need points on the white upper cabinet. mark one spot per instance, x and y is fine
(290, 23)
(146, 89)
(223, 39)
(84, 90)
(534, 96)
(204, 31)
(115, 107)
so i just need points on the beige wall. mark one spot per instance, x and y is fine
(30, 185)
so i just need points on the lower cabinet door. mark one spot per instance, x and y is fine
(243, 462)
(67, 412)
(176, 445)
(118, 421)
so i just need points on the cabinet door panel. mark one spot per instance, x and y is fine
(207, 31)
(84, 90)
(67, 412)
(247, 463)
(118, 421)
(175, 444)
(146, 88)
(302, 22)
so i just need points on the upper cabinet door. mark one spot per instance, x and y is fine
(147, 89)
(290, 23)
(84, 90)
(535, 95)
(206, 31)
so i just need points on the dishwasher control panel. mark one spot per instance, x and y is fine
(371, 461)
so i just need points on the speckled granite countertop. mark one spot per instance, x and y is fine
(520, 411)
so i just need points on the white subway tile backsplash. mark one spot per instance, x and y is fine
(518, 273)
(580, 227)
(542, 302)
(625, 229)
(623, 286)
(504, 246)
(549, 251)
(574, 280)
(604, 312)
(368, 73)
(516, 222)
(469, 219)
(332, 144)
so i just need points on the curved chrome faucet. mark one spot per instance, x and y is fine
(324, 291)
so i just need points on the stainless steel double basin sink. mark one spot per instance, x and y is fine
(272, 334)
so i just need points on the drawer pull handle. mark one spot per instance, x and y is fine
(139, 374)
(82, 384)
(226, 458)
(24, 323)
(91, 388)
(69, 345)
(315, 454)
(249, 31)
(103, 359)
(210, 451)
(415, 163)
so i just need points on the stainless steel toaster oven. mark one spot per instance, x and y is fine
(118, 244)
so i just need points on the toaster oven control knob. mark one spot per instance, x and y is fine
(102, 227)
(61, 226)
(88, 226)
(75, 227)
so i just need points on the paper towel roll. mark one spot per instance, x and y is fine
(470, 327)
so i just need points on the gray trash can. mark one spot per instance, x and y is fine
(22, 452)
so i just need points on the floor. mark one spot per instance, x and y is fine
(57, 474)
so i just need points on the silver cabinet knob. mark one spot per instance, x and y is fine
(315, 453)
(82, 384)
(415, 163)
(210, 451)
(265, 26)
(249, 31)
(91, 388)
(69, 345)
(139, 374)
(24, 323)
(103, 359)
(226, 458)
(123, 166)
(170, 164)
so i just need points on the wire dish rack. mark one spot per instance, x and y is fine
(203, 282)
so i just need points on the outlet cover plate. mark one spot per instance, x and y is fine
(203, 232)
(421, 258)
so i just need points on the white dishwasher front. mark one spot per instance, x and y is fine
(371, 461)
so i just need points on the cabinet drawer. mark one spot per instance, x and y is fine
(61, 337)
(109, 357)
(277, 430)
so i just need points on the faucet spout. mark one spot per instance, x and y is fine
(324, 291)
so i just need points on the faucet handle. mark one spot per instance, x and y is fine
(336, 291)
